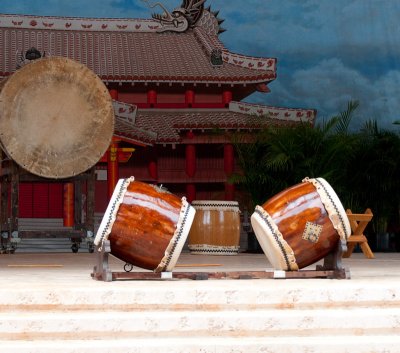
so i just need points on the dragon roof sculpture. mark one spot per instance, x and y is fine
(190, 14)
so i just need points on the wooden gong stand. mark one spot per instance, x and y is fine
(332, 268)
(10, 177)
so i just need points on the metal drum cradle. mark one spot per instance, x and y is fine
(300, 225)
(146, 225)
(216, 228)
(56, 117)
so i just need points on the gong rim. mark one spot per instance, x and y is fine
(56, 117)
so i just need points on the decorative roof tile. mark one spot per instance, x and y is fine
(132, 133)
(126, 128)
(124, 50)
(287, 114)
(168, 123)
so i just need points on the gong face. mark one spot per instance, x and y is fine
(57, 118)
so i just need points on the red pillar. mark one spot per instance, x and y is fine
(229, 161)
(69, 205)
(190, 160)
(190, 192)
(152, 97)
(190, 154)
(112, 167)
(226, 97)
(189, 97)
(153, 169)
(114, 94)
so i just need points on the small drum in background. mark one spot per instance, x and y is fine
(300, 225)
(216, 228)
(146, 225)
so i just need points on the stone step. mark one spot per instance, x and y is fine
(257, 323)
(206, 344)
(194, 295)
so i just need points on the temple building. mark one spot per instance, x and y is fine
(178, 98)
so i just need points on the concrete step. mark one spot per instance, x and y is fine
(181, 324)
(192, 295)
(59, 308)
(323, 344)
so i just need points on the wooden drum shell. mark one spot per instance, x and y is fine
(146, 226)
(216, 228)
(298, 226)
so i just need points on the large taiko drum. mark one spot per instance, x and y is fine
(216, 228)
(147, 226)
(56, 117)
(300, 225)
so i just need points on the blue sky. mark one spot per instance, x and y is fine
(329, 51)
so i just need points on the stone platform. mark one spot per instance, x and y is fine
(50, 303)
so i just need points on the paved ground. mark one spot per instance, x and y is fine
(62, 268)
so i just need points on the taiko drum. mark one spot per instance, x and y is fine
(300, 225)
(146, 225)
(216, 228)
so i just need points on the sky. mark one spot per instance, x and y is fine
(329, 51)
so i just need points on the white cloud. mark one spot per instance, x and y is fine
(330, 85)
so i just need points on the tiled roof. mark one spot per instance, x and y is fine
(125, 126)
(125, 51)
(150, 126)
(132, 133)
(167, 123)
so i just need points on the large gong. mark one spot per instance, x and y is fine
(56, 117)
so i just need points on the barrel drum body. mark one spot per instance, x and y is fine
(300, 225)
(216, 228)
(146, 225)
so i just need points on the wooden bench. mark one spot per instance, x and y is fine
(358, 223)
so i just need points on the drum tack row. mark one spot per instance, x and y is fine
(147, 226)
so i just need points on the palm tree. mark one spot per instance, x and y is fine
(363, 167)
(283, 156)
(373, 174)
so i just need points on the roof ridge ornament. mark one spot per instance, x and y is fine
(30, 55)
(191, 13)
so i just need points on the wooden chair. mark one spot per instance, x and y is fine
(358, 223)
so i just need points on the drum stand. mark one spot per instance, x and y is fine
(332, 268)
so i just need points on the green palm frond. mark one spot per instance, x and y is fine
(345, 117)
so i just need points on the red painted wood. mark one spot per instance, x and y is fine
(26, 200)
(229, 191)
(114, 94)
(112, 167)
(69, 206)
(152, 97)
(190, 192)
(226, 97)
(190, 160)
(229, 159)
(40, 200)
(55, 200)
(189, 97)
(101, 196)
(153, 169)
